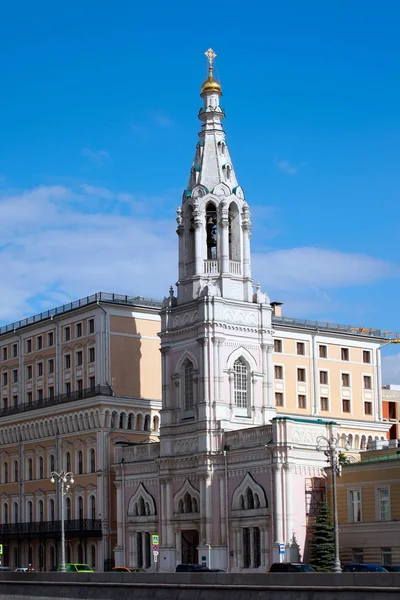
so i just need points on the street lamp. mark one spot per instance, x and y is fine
(331, 449)
(65, 479)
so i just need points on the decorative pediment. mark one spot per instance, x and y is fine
(249, 495)
(222, 190)
(142, 503)
(187, 493)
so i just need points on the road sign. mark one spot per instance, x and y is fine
(155, 547)
(155, 553)
(1, 548)
(155, 539)
(155, 558)
(281, 548)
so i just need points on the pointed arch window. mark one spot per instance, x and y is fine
(211, 229)
(240, 373)
(188, 385)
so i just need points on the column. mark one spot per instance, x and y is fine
(198, 246)
(169, 524)
(289, 502)
(224, 232)
(215, 356)
(202, 536)
(208, 515)
(143, 549)
(238, 544)
(264, 348)
(246, 248)
(251, 542)
(163, 507)
(222, 504)
(264, 546)
(178, 546)
(219, 373)
(278, 503)
(270, 378)
(180, 231)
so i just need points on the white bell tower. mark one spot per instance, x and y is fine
(216, 334)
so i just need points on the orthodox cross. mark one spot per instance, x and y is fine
(210, 55)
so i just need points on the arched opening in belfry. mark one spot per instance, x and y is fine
(234, 232)
(211, 229)
(189, 229)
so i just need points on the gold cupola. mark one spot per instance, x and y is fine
(211, 84)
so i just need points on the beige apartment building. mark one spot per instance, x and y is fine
(369, 507)
(74, 381)
(78, 379)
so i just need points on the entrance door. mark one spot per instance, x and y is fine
(190, 541)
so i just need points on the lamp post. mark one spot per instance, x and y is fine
(331, 450)
(65, 479)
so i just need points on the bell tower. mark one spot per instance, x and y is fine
(216, 333)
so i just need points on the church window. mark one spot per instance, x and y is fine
(142, 510)
(234, 232)
(240, 383)
(190, 234)
(187, 503)
(250, 499)
(188, 385)
(211, 228)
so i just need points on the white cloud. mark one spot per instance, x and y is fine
(391, 369)
(97, 157)
(162, 119)
(294, 268)
(286, 167)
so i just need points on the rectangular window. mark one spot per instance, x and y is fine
(40, 394)
(29, 372)
(15, 376)
(91, 325)
(324, 403)
(346, 405)
(28, 346)
(383, 504)
(79, 359)
(51, 392)
(367, 382)
(92, 383)
(301, 348)
(367, 357)
(301, 401)
(67, 334)
(277, 345)
(39, 342)
(79, 385)
(323, 377)
(68, 388)
(355, 506)
(368, 408)
(239, 384)
(40, 369)
(29, 397)
(301, 375)
(5, 403)
(278, 372)
(67, 361)
(386, 557)
(5, 378)
(346, 379)
(15, 350)
(278, 398)
(4, 352)
(50, 338)
(50, 366)
(91, 354)
(344, 353)
(323, 351)
(358, 555)
(15, 400)
(79, 330)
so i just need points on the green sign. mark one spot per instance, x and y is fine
(155, 539)
(1, 548)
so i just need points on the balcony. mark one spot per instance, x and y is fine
(92, 392)
(76, 528)
(211, 267)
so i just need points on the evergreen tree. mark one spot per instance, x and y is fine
(322, 543)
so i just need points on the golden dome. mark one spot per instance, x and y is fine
(211, 84)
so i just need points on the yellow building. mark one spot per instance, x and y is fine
(74, 380)
(368, 495)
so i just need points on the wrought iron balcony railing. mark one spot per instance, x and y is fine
(97, 390)
(75, 528)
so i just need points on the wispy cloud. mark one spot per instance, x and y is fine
(99, 158)
(286, 167)
(162, 120)
(391, 369)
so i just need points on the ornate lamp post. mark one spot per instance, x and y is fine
(65, 479)
(331, 449)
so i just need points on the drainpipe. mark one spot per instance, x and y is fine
(123, 509)
(228, 546)
(272, 520)
(378, 408)
(105, 347)
(314, 375)
(21, 371)
(57, 369)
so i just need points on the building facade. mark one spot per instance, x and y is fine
(368, 495)
(391, 409)
(246, 393)
(74, 381)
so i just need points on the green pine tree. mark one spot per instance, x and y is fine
(322, 544)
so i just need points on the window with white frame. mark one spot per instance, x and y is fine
(386, 557)
(188, 391)
(240, 373)
(355, 506)
(383, 504)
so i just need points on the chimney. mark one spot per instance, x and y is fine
(277, 308)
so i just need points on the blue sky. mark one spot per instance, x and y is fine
(98, 122)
